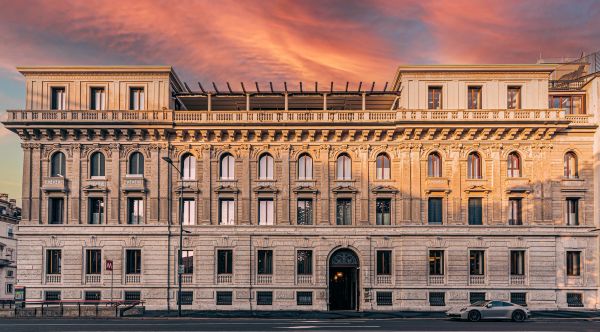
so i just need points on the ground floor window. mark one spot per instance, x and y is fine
(92, 296)
(187, 298)
(384, 298)
(476, 297)
(132, 296)
(224, 298)
(264, 298)
(437, 299)
(519, 298)
(574, 299)
(304, 298)
(52, 295)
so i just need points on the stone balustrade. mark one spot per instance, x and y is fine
(384, 279)
(133, 278)
(93, 278)
(53, 278)
(304, 279)
(224, 278)
(437, 280)
(477, 280)
(518, 280)
(264, 279)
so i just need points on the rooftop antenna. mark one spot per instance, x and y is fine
(257, 88)
(201, 87)
(359, 86)
(372, 87)
(347, 83)
(385, 86)
(187, 87)
(300, 86)
(316, 87)
(243, 88)
(271, 85)
(229, 88)
(215, 86)
(331, 88)
(285, 86)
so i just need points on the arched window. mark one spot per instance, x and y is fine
(514, 165)
(265, 167)
(571, 170)
(97, 164)
(383, 168)
(227, 168)
(305, 167)
(136, 164)
(474, 166)
(188, 166)
(58, 165)
(344, 167)
(434, 165)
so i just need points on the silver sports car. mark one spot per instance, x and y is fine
(490, 310)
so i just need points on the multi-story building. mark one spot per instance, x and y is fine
(452, 184)
(10, 215)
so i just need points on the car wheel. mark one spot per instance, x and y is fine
(518, 316)
(474, 316)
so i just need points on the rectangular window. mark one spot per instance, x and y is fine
(96, 211)
(304, 262)
(384, 298)
(226, 211)
(92, 296)
(9, 288)
(519, 298)
(434, 210)
(265, 212)
(93, 261)
(132, 296)
(475, 211)
(58, 101)
(224, 298)
(436, 262)
(344, 211)
(474, 97)
(135, 211)
(264, 262)
(10, 273)
(476, 262)
(574, 263)
(305, 212)
(384, 262)
(434, 98)
(133, 261)
(383, 211)
(476, 297)
(570, 104)
(264, 298)
(574, 300)
(513, 98)
(515, 211)
(52, 295)
(53, 261)
(224, 261)
(572, 213)
(437, 299)
(136, 99)
(304, 298)
(517, 262)
(189, 211)
(55, 210)
(187, 260)
(187, 298)
(97, 99)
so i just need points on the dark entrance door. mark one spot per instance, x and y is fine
(343, 280)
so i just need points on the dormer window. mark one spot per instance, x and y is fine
(434, 98)
(97, 99)
(58, 99)
(136, 99)
(513, 98)
(474, 97)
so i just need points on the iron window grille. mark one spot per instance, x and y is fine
(519, 298)
(384, 298)
(476, 297)
(574, 300)
(304, 298)
(224, 298)
(437, 299)
(187, 298)
(264, 298)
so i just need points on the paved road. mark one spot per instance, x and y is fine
(219, 324)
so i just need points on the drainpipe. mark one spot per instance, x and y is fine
(169, 211)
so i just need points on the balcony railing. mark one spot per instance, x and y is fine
(167, 117)
(224, 278)
(384, 279)
(187, 279)
(437, 279)
(518, 280)
(132, 278)
(304, 279)
(477, 280)
(53, 278)
(93, 278)
(264, 279)
(54, 184)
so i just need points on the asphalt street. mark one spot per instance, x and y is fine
(229, 324)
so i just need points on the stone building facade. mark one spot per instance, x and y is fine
(453, 184)
(10, 215)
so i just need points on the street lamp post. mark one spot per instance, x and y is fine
(179, 255)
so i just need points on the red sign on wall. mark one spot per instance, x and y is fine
(109, 265)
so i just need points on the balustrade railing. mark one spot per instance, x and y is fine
(517, 280)
(186, 278)
(477, 280)
(224, 278)
(132, 278)
(93, 278)
(53, 278)
(303, 279)
(384, 279)
(264, 279)
(437, 279)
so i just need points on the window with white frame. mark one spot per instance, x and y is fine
(434, 165)
(305, 167)
(226, 211)
(136, 164)
(383, 167)
(514, 165)
(97, 165)
(188, 166)
(344, 167)
(189, 211)
(517, 262)
(58, 100)
(571, 171)
(58, 165)
(97, 99)
(135, 208)
(474, 166)
(227, 169)
(515, 211)
(265, 167)
(573, 263)
(476, 262)
(572, 213)
(265, 211)
(136, 99)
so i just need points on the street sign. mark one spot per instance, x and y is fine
(181, 269)
(109, 265)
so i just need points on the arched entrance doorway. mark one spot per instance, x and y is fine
(343, 280)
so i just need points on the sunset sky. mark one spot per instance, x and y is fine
(278, 40)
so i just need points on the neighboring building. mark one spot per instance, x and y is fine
(10, 215)
(455, 184)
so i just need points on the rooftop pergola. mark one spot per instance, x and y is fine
(305, 97)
